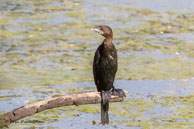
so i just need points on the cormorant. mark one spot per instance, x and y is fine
(104, 70)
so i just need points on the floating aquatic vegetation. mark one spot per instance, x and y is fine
(48, 43)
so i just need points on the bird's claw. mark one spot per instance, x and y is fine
(118, 92)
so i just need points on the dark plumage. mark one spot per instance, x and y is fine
(104, 70)
(105, 62)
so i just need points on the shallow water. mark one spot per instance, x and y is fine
(146, 99)
(46, 49)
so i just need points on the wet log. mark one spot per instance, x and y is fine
(75, 99)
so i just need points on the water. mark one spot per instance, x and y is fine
(47, 48)
(145, 90)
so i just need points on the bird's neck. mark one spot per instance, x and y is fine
(108, 40)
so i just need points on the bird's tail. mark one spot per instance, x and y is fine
(104, 113)
(105, 96)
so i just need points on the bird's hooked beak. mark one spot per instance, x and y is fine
(98, 30)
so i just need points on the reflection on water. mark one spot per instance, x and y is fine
(46, 49)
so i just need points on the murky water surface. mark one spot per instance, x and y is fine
(47, 48)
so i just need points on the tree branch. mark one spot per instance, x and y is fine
(75, 99)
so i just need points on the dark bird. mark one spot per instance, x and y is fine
(104, 70)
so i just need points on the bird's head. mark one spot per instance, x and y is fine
(103, 30)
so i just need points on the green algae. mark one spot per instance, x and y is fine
(157, 69)
(85, 108)
(132, 108)
(142, 70)
(37, 52)
(6, 33)
(89, 109)
(182, 110)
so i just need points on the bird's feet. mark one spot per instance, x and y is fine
(118, 92)
(105, 95)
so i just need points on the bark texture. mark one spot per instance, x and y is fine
(75, 99)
